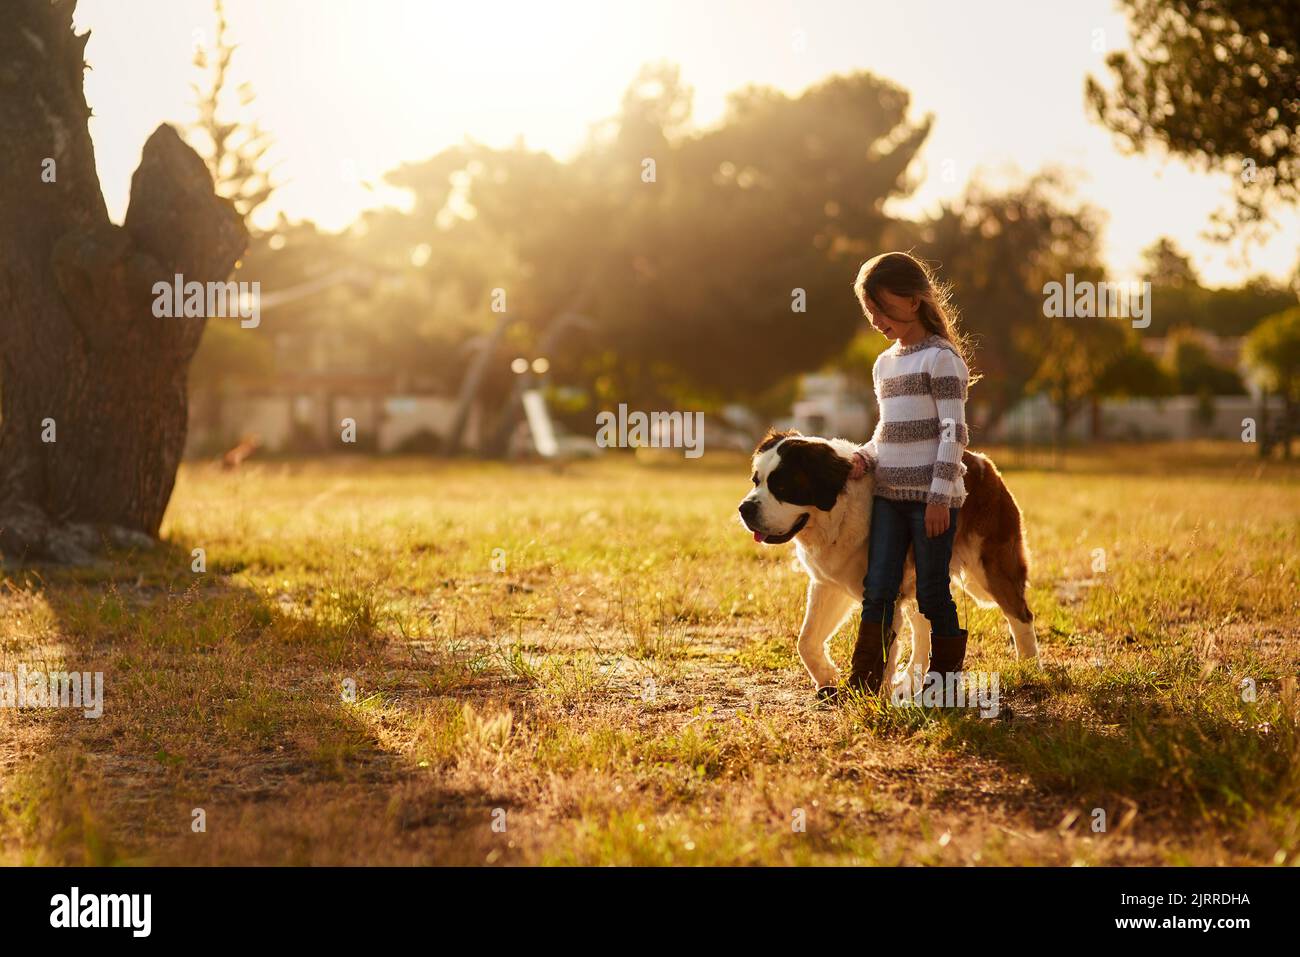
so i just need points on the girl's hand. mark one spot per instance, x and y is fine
(936, 519)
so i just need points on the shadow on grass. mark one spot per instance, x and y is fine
(1167, 743)
(237, 727)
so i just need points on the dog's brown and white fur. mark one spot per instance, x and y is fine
(802, 491)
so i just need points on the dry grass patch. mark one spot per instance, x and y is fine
(355, 680)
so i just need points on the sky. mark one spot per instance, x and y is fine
(349, 89)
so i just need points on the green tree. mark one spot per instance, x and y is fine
(752, 238)
(1235, 311)
(1179, 300)
(1194, 371)
(1080, 356)
(1134, 373)
(1177, 297)
(692, 251)
(1273, 352)
(1166, 265)
(999, 249)
(234, 149)
(1215, 81)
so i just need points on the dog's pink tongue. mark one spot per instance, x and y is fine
(759, 536)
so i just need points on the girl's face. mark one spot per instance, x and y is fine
(892, 315)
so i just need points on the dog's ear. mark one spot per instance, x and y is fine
(773, 437)
(810, 473)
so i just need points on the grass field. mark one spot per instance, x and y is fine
(597, 665)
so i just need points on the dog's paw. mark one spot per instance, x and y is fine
(828, 695)
(907, 683)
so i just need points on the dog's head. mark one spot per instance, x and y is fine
(794, 478)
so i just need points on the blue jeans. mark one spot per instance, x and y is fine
(895, 527)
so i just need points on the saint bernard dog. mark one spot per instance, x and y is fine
(802, 493)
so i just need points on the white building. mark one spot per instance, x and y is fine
(833, 405)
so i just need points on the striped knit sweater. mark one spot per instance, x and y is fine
(917, 446)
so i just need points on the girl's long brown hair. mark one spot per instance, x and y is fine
(904, 275)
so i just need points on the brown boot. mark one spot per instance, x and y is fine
(947, 655)
(869, 655)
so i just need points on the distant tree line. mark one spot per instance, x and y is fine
(715, 264)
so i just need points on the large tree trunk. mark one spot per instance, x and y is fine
(81, 354)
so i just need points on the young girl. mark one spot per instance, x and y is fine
(921, 383)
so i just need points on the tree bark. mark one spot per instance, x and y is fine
(83, 359)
